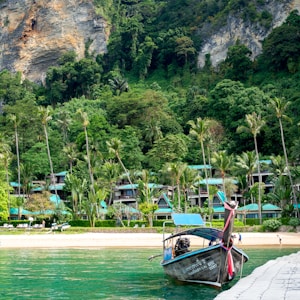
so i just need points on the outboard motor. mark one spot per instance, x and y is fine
(182, 246)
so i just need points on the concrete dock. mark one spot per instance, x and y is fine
(277, 279)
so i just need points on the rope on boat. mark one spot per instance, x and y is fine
(228, 247)
(154, 256)
(231, 213)
(230, 265)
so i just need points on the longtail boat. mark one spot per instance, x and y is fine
(214, 264)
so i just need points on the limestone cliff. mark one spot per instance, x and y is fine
(249, 34)
(35, 33)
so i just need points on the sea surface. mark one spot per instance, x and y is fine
(103, 274)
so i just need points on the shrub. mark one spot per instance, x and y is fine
(285, 220)
(294, 222)
(159, 223)
(252, 222)
(79, 223)
(271, 225)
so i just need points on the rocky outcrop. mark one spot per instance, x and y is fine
(249, 34)
(35, 33)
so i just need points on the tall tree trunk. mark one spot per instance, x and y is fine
(259, 181)
(50, 163)
(126, 171)
(178, 196)
(18, 161)
(8, 193)
(206, 176)
(288, 168)
(89, 160)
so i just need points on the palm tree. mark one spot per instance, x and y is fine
(200, 129)
(64, 122)
(153, 131)
(118, 85)
(143, 186)
(45, 114)
(246, 164)
(109, 174)
(77, 188)
(214, 138)
(27, 177)
(15, 120)
(280, 106)
(72, 154)
(114, 147)
(224, 163)
(146, 195)
(101, 194)
(255, 124)
(189, 179)
(85, 123)
(243, 186)
(281, 193)
(176, 171)
(278, 166)
(90, 207)
(72, 183)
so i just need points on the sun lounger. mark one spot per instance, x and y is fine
(37, 226)
(5, 225)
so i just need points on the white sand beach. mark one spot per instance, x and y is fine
(129, 240)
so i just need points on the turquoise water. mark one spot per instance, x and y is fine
(101, 274)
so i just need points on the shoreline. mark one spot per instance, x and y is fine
(134, 240)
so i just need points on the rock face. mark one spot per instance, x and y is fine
(35, 33)
(249, 34)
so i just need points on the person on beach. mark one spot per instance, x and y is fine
(279, 238)
(240, 238)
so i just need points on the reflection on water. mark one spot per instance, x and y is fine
(101, 274)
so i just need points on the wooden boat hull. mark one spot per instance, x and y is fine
(206, 266)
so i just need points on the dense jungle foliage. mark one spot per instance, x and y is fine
(136, 104)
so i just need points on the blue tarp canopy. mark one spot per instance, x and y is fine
(211, 234)
(187, 219)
